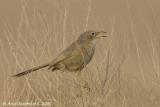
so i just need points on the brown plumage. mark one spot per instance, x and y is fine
(73, 58)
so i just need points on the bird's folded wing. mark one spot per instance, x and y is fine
(59, 59)
(71, 51)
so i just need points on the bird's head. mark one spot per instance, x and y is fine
(91, 35)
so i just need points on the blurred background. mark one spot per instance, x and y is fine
(125, 71)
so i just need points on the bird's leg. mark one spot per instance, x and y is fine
(77, 85)
(86, 86)
(82, 87)
(83, 83)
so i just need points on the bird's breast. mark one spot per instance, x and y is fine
(88, 53)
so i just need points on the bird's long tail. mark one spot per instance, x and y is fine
(30, 70)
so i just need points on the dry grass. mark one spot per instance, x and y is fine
(125, 69)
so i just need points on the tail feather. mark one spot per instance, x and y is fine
(30, 70)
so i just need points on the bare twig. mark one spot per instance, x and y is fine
(88, 13)
(115, 70)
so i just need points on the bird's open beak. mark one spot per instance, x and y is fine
(99, 34)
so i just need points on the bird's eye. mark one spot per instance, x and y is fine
(93, 34)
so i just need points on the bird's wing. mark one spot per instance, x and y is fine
(72, 50)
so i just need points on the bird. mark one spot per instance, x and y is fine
(75, 57)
